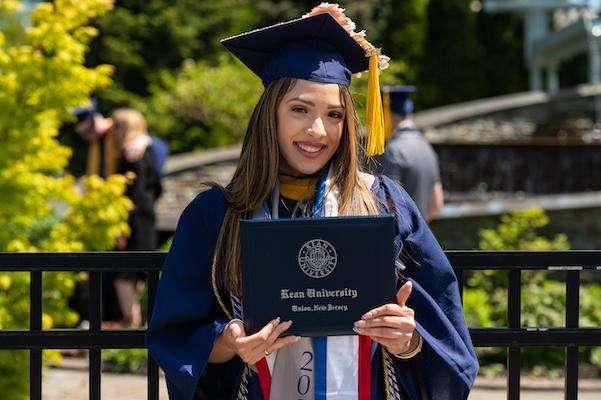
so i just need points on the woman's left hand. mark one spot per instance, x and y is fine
(391, 325)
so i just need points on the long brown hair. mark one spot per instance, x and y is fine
(257, 172)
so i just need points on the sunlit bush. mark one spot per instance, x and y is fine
(42, 76)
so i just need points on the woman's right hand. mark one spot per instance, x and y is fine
(253, 348)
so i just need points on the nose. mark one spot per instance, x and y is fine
(317, 128)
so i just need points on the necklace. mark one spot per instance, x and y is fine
(284, 204)
(295, 209)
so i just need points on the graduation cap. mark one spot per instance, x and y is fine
(87, 111)
(315, 48)
(396, 99)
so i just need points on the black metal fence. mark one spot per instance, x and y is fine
(95, 339)
(513, 337)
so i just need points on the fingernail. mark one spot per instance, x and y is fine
(359, 324)
(277, 320)
(296, 339)
(364, 316)
(289, 322)
(355, 329)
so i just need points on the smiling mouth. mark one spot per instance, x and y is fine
(311, 149)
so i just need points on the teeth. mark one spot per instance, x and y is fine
(309, 149)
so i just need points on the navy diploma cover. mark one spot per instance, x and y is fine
(323, 274)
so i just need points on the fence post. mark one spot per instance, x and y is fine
(35, 325)
(572, 316)
(514, 304)
(95, 366)
(153, 368)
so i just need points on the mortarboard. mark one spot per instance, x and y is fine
(317, 48)
(84, 112)
(396, 99)
(313, 48)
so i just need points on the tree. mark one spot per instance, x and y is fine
(193, 104)
(502, 61)
(449, 51)
(40, 81)
(143, 39)
(451, 67)
(42, 76)
(400, 28)
(202, 105)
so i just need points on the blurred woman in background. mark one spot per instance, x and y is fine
(145, 188)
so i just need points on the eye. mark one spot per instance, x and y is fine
(336, 115)
(299, 109)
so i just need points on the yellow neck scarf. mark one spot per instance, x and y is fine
(298, 188)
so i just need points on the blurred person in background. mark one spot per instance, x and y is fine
(107, 155)
(129, 126)
(103, 153)
(408, 156)
(95, 129)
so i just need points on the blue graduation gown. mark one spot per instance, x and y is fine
(187, 319)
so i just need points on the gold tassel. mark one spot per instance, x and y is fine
(93, 161)
(111, 155)
(374, 117)
(387, 119)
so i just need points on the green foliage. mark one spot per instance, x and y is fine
(137, 31)
(517, 231)
(11, 22)
(401, 29)
(125, 360)
(202, 105)
(469, 54)
(500, 36)
(14, 383)
(457, 66)
(167, 245)
(596, 357)
(478, 309)
(42, 76)
(37, 87)
(96, 217)
(543, 295)
(206, 103)
(450, 70)
(591, 302)
(14, 304)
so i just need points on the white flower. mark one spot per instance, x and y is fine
(338, 14)
(383, 62)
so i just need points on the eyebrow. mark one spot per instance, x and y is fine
(313, 104)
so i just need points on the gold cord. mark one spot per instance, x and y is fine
(216, 290)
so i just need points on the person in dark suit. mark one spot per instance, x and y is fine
(409, 158)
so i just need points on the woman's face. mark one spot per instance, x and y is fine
(310, 120)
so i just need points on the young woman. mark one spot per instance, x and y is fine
(301, 157)
(129, 126)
